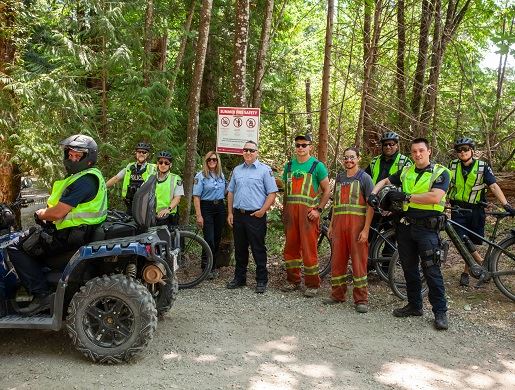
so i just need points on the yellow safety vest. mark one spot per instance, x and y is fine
(469, 190)
(89, 213)
(164, 192)
(399, 163)
(424, 184)
(150, 169)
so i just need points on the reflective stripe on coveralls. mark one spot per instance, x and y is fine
(397, 165)
(469, 190)
(410, 185)
(348, 222)
(301, 233)
(88, 213)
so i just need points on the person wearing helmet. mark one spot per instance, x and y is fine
(134, 174)
(470, 179)
(424, 186)
(169, 190)
(76, 206)
(349, 228)
(389, 161)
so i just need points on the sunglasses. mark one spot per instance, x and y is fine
(389, 144)
(142, 151)
(162, 162)
(247, 150)
(463, 149)
(211, 159)
(302, 145)
(351, 158)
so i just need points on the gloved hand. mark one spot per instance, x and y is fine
(397, 196)
(373, 201)
(509, 209)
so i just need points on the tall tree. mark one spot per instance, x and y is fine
(323, 128)
(194, 104)
(147, 44)
(400, 74)
(264, 43)
(241, 37)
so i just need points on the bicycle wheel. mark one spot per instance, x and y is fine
(195, 260)
(396, 278)
(381, 252)
(324, 254)
(502, 262)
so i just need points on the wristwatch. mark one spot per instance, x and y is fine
(170, 209)
(408, 197)
(320, 209)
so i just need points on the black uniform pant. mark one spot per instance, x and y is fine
(214, 221)
(251, 231)
(419, 245)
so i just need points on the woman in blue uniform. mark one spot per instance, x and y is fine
(208, 199)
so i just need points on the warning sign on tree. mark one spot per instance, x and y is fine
(236, 125)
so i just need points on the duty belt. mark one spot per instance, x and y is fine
(215, 202)
(243, 211)
(435, 223)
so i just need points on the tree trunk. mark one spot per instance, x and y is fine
(423, 46)
(194, 104)
(323, 129)
(241, 35)
(400, 76)
(264, 44)
(147, 46)
(182, 48)
(309, 116)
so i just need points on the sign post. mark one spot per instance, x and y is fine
(236, 125)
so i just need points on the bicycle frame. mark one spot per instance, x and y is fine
(477, 270)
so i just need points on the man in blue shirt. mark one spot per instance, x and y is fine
(251, 193)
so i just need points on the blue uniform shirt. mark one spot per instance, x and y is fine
(209, 188)
(251, 184)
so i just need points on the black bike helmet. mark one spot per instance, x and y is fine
(143, 146)
(385, 202)
(465, 141)
(6, 217)
(80, 143)
(164, 154)
(390, 136)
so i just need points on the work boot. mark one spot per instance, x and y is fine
(361, 308)
(38, 304)
(331, 301)
(464, 279)
(235, 283)
(407, 311)
(289, 287)
(310, 292)
(441, 322)
(260, 287)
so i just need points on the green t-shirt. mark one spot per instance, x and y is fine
(319, 174)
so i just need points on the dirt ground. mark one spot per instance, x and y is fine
(214, 338)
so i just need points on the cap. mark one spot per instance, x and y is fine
(306, 137)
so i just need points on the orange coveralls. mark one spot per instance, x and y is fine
(349, 211)
(301, 233)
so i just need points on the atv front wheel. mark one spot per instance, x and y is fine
(111, 319)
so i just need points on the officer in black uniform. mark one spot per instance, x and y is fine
(424, 186)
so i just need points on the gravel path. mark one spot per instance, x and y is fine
(219, 339)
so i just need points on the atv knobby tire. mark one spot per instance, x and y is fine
(111, 319)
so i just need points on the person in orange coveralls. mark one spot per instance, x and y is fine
(350, 224)
(304, 178)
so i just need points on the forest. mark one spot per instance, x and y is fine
(344, 71)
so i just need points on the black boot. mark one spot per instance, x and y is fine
(441, 322)
(38, 304)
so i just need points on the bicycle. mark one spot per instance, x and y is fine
(194, 257)
(498, 263)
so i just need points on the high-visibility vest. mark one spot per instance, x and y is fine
(400, 162)
(355, 204)
(307, 195)
(92, 212)
(469, 190)
(424, 184)
(150, 169)
(164, 192)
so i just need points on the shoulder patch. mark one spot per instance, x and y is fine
(179, 182)
(195, 181)
(271, 173)
(439, 179)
